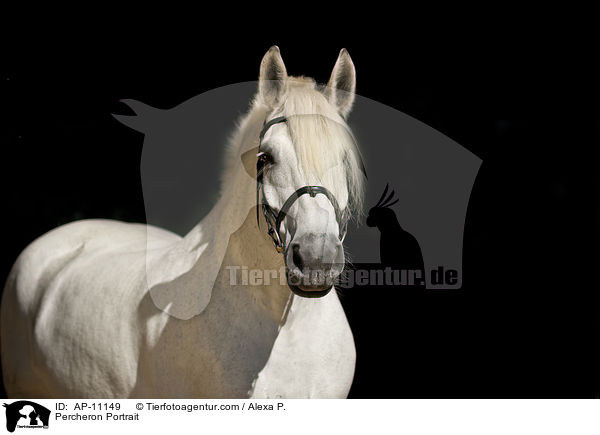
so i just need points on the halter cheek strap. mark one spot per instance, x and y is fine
(266, 126)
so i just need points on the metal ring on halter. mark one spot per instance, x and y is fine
(273, 219)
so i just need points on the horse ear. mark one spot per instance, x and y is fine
(341, 86)
(272, 83)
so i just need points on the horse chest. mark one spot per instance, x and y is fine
(313, 354)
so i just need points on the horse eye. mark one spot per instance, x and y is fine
(264, 159)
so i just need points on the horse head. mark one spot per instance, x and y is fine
(309, 172)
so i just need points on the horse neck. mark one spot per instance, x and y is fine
(232, 230)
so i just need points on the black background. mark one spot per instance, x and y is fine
(525, 323)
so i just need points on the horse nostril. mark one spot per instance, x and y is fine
(296, 257)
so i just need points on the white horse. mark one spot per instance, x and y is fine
(101, 308)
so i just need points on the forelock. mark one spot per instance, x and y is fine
(323, 142)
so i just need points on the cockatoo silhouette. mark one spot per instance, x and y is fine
(398, 249)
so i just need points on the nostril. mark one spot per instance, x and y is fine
(296, 257)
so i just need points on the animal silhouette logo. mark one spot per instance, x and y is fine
(398, 248)
(433, 175)
(26, 414)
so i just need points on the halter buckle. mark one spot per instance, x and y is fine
(276, 239)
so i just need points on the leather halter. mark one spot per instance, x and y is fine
(273, 219)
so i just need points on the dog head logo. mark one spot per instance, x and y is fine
(26, 414)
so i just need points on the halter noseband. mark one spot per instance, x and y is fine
(273, 219)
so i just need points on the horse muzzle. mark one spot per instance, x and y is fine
(313, 262)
